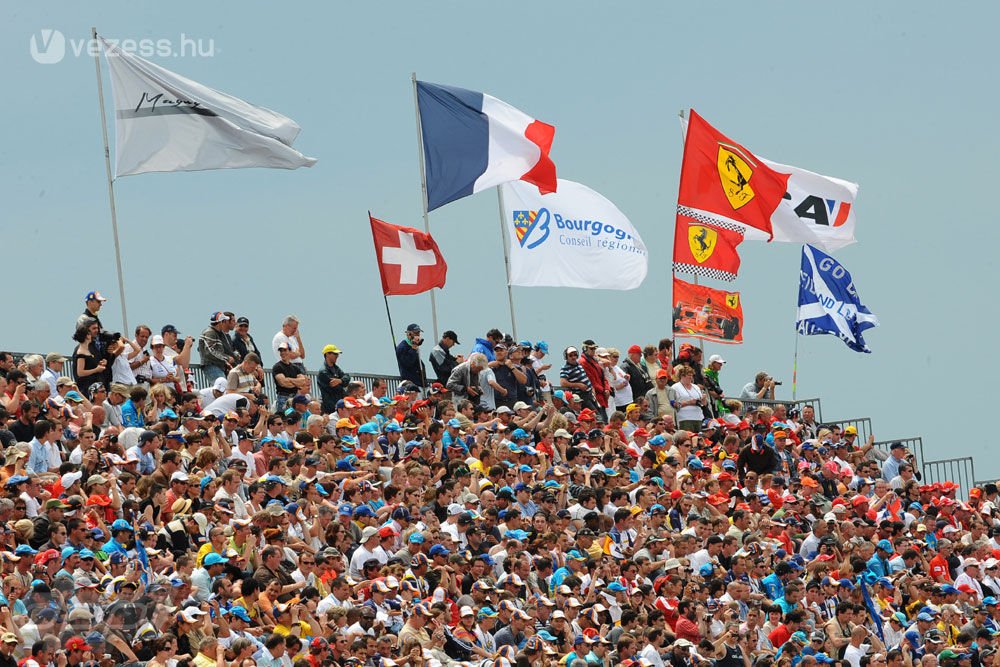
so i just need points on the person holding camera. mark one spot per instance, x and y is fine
(762, 387)
(411, 367)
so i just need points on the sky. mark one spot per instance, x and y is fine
(893, 96)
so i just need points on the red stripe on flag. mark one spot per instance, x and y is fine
(845, 210)
(543, 174)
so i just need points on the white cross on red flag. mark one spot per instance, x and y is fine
(409, 260)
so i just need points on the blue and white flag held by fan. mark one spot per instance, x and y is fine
(829, 302)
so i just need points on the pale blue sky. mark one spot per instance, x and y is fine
(895, 96)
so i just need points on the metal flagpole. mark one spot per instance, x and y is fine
(111, 185)
(701, 343)
(423, 192)
(392, 333)
(795, 364)
(506, 264)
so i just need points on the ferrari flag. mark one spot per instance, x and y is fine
(706, 313)
(706, 250)
(409, 261)
(722, 181)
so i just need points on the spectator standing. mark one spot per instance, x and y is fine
(332, 380)
(216, 348)
(442, 360)
(411, 367)
(292, 337)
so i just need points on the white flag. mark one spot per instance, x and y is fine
(166, 122)
(570, 238)
(817, 209)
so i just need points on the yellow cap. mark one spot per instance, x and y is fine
(331, 349)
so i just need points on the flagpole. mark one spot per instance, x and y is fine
(111, 185)
(701, 343)
(388, 315)
(505, 242)
(423, 191)
(795, 364)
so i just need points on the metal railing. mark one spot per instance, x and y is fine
(961, 470)
(914, 445)
(863, 424)
(754, 403)
(368, 379)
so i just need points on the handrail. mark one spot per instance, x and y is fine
(754, 403)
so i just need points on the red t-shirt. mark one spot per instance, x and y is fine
(685, 629)
(939, 569)
(779, 636)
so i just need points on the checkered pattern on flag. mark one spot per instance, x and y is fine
(705, 248)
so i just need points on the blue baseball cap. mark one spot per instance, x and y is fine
(545, 635)
(67, 552)
(121, 524)
(542, 346)
(525, 468)
(214, 559)
(416, 538)
(439, 550)
(168, 414)
(846, 583)
(368, 427)
(344, 465)
(885, 545)
(454, 423)
(363, 510)
(616, 587)
(345, 510)
(393, 427)
(948, 589)
(706, 570)
(657, 441)
(25, 550)
(519, 433)
(520, 535)
(240, 613)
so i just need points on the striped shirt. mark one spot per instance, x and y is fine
(575, 373)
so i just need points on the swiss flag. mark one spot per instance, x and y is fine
(705, 249)
(722, 178)
(409, 260)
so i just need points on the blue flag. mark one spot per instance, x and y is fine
(829, 302)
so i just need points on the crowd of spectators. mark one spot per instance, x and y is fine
(504, 505)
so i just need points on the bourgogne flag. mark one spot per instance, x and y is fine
(829, 302)
(722, 181)
(166, 122)
(706, 313)
(409, 261)
(570, 238)
(816, 209)
(706, 250)
(473, 141)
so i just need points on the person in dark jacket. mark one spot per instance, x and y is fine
(243, 342)
(408, 356)
(442, 360)
(331, 379)
(757, 456)
(638, 376)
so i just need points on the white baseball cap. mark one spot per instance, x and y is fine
(716, 358)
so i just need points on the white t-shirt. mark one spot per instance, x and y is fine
(622, 396)
(688, 412)
(223, 404)
(489, 395)
(290, 341)
(161, 369)
(853, 654)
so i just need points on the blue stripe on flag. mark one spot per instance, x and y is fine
(456, 137)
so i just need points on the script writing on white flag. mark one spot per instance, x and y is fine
(166, 122)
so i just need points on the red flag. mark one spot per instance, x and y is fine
(706, 313)
(409, 260)
(706, 250)
(719, 177)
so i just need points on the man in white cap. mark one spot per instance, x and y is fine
(369, 549)
(712, 384)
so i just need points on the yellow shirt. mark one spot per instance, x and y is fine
(205, 549)
(202, 660)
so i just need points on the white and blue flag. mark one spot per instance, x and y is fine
(829, 302)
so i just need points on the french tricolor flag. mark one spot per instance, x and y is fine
(473, 141)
